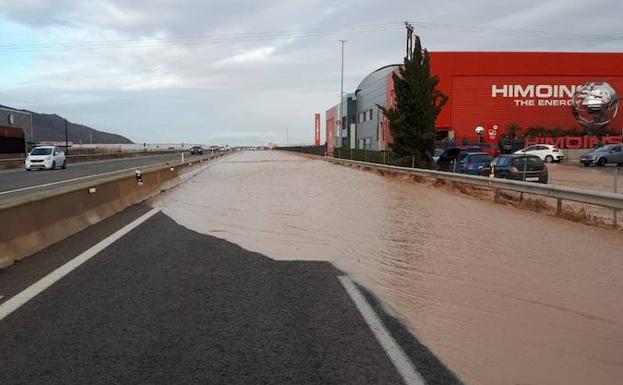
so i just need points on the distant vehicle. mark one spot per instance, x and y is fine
(45, 157)
(474, 163)
(196, 150)
(610, 153)
(528, 168)
(546, 152)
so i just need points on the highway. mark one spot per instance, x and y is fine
(162, 304)
(18, 181)
(273, 268)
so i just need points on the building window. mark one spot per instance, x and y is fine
(370, 114)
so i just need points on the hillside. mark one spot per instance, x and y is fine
(51, 127)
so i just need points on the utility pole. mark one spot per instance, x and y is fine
(287, 135)
(340, 105)
(91, 135)
(409, 54)
(66, 138)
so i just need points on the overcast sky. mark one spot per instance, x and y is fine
(240, 72)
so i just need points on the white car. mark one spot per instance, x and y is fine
(45, 157)
(547, 152)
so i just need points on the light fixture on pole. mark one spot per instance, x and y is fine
(480, 130)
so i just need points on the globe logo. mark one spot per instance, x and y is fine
(595, 105)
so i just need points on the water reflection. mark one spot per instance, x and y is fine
(503, 296)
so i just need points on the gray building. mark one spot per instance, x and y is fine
(372, 91)
(346, 135)
(15, 131)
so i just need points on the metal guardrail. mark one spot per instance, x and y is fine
(609, 200)
(132, 154)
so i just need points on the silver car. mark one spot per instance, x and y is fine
(601, 156)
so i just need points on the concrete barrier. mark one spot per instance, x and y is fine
(33, 222)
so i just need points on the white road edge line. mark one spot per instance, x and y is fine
(15, 302)
(403, 364)
(79, 178)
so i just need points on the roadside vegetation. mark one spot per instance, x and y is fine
(417, 105)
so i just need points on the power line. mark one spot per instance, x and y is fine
(525, 33)
(202, 39)
(214, 39)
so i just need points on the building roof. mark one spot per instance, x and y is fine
(381, 72)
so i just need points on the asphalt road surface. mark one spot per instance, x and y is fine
(14, 182)
(166, 305)
(591, 178)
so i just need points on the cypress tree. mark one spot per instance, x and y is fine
(418, 103)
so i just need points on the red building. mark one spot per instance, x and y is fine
(330, 117)
(495, 89)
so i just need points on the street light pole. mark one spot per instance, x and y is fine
(340, 106)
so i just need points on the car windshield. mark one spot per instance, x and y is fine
(41, 151)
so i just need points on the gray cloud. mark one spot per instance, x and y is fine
(240, 87)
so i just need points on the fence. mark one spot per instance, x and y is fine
(314, 150)
(608, 200)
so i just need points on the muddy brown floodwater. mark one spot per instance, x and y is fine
(501, 295)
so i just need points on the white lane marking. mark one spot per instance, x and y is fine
(405, 367)
(80, 178)
(14, 303)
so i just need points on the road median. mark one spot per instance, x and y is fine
(35, 221)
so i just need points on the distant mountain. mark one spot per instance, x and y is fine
(51, 127)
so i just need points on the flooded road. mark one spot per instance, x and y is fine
(501, 295)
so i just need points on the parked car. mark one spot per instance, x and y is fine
(607, 154)
(474, 163)
(450, 159)
(436, 154)
(196, 150)
(547, 152)
(45, 157)
(528, 168)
